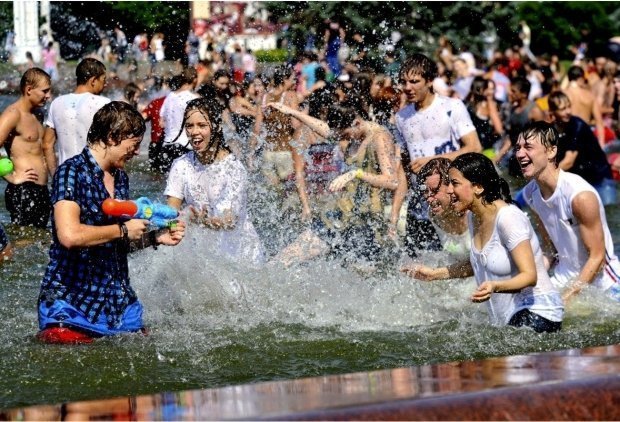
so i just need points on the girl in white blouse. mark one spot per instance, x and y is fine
(213, 184)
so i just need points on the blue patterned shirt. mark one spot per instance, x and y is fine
(93, 279)
(4, 240)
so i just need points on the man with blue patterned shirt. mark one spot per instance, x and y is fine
(85, 292)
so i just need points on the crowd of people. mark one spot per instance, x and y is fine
(430, 139)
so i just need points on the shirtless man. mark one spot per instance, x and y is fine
(584, 104)
(27, 197)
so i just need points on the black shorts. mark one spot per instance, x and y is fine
(527, 318)
(28, 204)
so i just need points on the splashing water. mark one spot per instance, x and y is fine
(215, 322)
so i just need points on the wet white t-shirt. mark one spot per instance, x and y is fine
(218, 187)
(494, 262)
(436, 129)
(70, 116)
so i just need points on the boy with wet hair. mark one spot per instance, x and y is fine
(21, 133)
(85, 292)
(71, 115)
(572, 214)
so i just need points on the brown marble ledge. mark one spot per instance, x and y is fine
(579, 384)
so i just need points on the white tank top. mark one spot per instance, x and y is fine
(556, 213)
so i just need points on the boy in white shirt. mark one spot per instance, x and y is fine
(572, 213)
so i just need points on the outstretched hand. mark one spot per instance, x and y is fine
(196, 215)
(341, 181)
(172, 236)
(483, 292)
(419, 271)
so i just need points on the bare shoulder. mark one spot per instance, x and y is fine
(10, 113)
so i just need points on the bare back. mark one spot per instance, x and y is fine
(582, 102)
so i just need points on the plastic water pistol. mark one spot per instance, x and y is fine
(6, 166)
(159, 215)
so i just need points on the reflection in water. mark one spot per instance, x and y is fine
(278, 399)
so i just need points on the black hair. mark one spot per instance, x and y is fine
(319, 102)
(281, 74)
(440, 166)
(212, 110)
(574, 73)
(89, 68)
(521, 84)
(546, 133)
(480, 170)
(420, 64)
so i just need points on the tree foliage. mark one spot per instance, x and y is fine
(6, 18)
(555, 25)
(78, 26)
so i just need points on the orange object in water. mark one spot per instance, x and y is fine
(119, 208)
(63, 335)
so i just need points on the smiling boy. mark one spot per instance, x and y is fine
(572, 214)
(85, 292)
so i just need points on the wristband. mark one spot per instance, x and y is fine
(124, 232)
(359, 173)
(153, 239)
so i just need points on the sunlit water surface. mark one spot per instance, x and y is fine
(214, 322)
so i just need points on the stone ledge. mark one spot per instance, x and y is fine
(578, 384)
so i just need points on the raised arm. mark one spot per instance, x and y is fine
(318, 126)
(387, 177)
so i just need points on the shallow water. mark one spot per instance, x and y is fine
(216, 323)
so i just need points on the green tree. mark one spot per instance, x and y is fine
(6, 17)
(419, 23)
(555, 25)
(73, 23)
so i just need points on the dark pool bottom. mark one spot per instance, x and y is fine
(578, 384)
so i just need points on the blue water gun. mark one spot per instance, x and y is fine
(159, 215)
